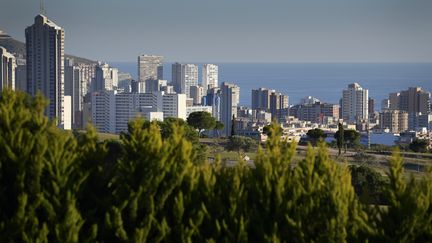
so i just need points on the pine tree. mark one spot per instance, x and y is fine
(408, 217)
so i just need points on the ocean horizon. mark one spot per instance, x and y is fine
(324, 81)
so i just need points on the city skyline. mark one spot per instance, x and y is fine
(276, 31)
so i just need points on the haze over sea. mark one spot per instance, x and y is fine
(324, 81)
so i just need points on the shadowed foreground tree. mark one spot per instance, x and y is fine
(41, 174)
(340, 138)
(315, 135)
(419, 145)
(149, 187)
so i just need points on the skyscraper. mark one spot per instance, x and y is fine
(45, 64)
(261, 99)
(209, 76)
(354, 103)
(106, 78)
(196, 92)
(230, 95)
(184, 76)
(414, 100)
(150, 67)
(77, 79)
(7, 69)
(278, 101)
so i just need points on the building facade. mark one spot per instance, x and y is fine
(196, 92)
(7, 69)
(355, 104)
(261, 99)
(316, 113)
(278, 102)
(230, 95)
(111, 111)
(150, 67)
(106, 78)
(394, 120)
(183, 77)
(210, 76)
(45, 64)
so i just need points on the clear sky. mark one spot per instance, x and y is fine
(236, 30)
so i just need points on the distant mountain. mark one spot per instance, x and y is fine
(18, 47)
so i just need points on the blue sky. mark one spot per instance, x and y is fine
(236, 30)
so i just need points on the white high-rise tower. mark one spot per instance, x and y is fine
(209, 76)
(354, 103)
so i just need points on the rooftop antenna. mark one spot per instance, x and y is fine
(42, 7)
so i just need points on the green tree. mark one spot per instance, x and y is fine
(149, 176)
(201, 120)
(419, 145)
(40, 174)
(339, 135)
(238, 143)
(368, 184)
(315, 135)
(352, 138)
(233, 126)
(408, 217)
(277, 131)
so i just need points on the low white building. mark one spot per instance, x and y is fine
(191, 109)
(112, 111)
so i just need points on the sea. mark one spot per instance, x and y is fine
(324, 81)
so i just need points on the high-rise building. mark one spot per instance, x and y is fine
(106, 78)
(385, 104)
(150, 67)
(77, 79)
(213, 99)
(278, 101)
(261, 99)
(7, 69)
(45, 64)
(196, 92)
(21, 75)
(72, 88)
(354, 103)
(155, 85)
(183, 77)
(414, 100)
(230, 95)
(209, 76)
(371, 106)
(394, 120)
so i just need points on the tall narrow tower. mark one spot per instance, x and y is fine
(45, 64)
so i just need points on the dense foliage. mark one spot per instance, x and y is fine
(149, 187)
(201, 120)
(241, 143)
(350, 138)
(419, 145)
(316, 135)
